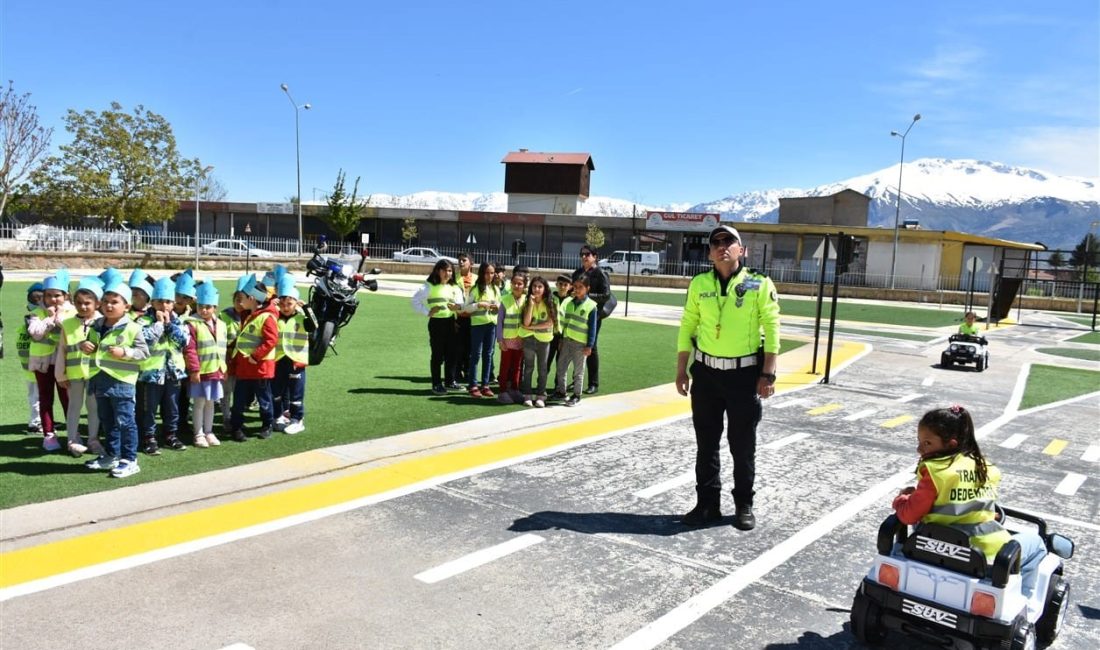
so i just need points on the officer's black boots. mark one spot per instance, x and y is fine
(702, 514)
(744, 519)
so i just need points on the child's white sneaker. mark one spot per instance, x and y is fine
(125, 468)
(295, 426)
(51, 443)
(212, 440)
(102, 462)
(282, 421)
(200, 440)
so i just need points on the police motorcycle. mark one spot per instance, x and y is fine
(332, 298)
(931, 584)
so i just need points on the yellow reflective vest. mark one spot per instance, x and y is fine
(251, 335)
(539, 314)
(574, 318)
(730, 325)
(513, 311)
(210, 346)
(962, 504)
(78, 366)
(48, 345)
(121, 334)
(23, 342)
(293, 339)
(442, 294)
(484, 316)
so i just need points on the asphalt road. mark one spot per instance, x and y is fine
(582, 548)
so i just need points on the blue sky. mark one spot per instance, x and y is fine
(676, 102)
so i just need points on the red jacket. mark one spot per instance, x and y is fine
(240, 366)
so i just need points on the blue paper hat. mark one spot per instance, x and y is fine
(164, 289)
(269, 279)
(286, 287)
(120, 289)
(206, 294)
(110, 276)
(92, 285)
(136, 277)
(37, 286)
(59, 281)
(255, 289)
(185, 284)
(242, 281)
(144, 286)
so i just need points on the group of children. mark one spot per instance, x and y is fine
(532, 326)
(143, 351)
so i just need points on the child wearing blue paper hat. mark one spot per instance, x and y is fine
(23, 350)
(162, 373)
(117, 350)
(232, 316)
(185, 294)
(291, 359)
(44, 327)
(141, 292)
(73, 369)
(252, 360)
(205, 360)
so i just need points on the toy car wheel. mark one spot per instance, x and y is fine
(1023, 636)
(944, 361)
(987, 360)
(1054, 610)
(979, 365)
(867, 620)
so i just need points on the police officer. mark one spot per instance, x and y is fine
(728, 309)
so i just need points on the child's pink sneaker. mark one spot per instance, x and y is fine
(51, 443)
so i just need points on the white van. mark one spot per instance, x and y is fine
(644, 262)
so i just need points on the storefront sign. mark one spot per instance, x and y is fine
(681, 221)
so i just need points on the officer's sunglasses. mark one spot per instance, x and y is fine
(722, 242)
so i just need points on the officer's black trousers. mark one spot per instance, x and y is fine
(716, 394)
(592, 363)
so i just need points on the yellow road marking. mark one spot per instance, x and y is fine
(64, 556)
(821, 410)
(1055, 447)
(895, 422)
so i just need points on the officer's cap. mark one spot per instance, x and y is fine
(728, 230)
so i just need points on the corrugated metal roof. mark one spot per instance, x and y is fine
(549, 158)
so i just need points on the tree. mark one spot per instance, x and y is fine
(1084, 254)
(344, 212)
(211, 189)
(408, 230)
(119, 167)
(1056, 261)
(23, 139)
(594, 237)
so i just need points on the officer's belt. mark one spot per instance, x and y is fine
(725, 363)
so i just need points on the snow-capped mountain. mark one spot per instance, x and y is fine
(979, 197)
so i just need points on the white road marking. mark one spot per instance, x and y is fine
(1066, 520)
(1092, 454)
(697, 606)
(909, 398)
(859, 415)
(238, 646)
(792, 402)
(665, 486)
(783, 442)
(477, 558)
(928, 380)
(1069, 484)
(1013, 441)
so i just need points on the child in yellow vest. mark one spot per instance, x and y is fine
(23, 349)
(288, 389)
(537, 327)
(204, 358)
(73, 368)
(508, 339)
(44, 327)
(579, 330)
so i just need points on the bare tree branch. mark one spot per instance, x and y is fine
(23, 139)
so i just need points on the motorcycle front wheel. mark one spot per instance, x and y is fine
(318, 344)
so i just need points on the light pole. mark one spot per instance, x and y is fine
(297, 159)
(198, 188)
(897, 210)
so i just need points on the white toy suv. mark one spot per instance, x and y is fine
(932, 585)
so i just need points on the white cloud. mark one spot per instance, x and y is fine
(1069, 151)
(950, 63)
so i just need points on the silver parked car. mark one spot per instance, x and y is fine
(233, 248)
(422, 255)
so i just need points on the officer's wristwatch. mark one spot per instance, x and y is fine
(769, 376)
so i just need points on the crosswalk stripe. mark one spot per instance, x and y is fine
(793, 402)
(909, 398)
(895, 422)
(928, 380)
(1092, 454)
(477, 558)
(821, 410)
(1055, 447)
(1013, 441)
(859, 415)
(665, 486)
(1070, 483)
(783, 442)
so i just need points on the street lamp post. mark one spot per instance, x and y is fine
(297, 159)
(897, 209)
(198, 188)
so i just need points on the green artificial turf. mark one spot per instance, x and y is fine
(1072, 353)
(1091, 337)
(378, 385)
(1046, 384)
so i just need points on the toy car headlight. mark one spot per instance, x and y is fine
(954, 348)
